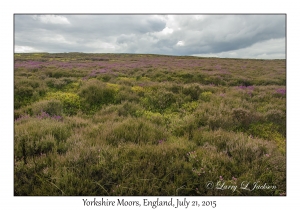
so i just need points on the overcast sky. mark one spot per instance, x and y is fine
(234, 36)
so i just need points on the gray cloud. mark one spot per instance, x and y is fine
(219, 35)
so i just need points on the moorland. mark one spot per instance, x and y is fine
(142, 124)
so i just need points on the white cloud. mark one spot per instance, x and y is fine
(180, 43)
(25, 49)
(167, 30)
(51, 19)
(172, 21)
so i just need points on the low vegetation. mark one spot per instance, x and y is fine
(130, 124)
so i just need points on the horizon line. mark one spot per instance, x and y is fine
(149, 54)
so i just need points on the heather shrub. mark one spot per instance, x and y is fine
(22, 93)
(52, 107)
(193, 91)
(58, 73)
(27, 90)
(244, 117)
(76, 121)
(24, 181)
(95, 94)
(158, 100)
(24, 111)
(126, 94)
(239, 146)
(129, 109)
(216, 80)
(221, 120)
(276, 116)
(37, 136)
(60, 83)
(125, 81)
(137, 131)
(105, 78)
(55, 83)
(175, 88)
(183, 126)
(202, 113)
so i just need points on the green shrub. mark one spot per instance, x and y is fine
(95, 94)
(266, 130)
(190, 106)
(183, 126)
(277, 117)
(139, 90)
(176, 88)
(158, 101)
(269, 131)
(205, 96)
(126, 94)
(105, 78)
(58, 73)
(193, 91)
(70, 101)
(27, 91)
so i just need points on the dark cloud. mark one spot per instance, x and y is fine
(161, 34)
(113, 25)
